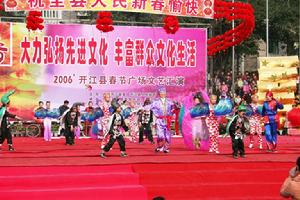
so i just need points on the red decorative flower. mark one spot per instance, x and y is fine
(34, 21)
(1, 6)
(104, 22)
(207, 3)
(11, 3)
(171, 24)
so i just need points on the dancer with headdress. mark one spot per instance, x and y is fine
(162, 109)
(105, 105)
(198, 114)
(213, 126)
(71, 122)
(255, 123)
(130, 114)
(116, 122)
(145, 121)
(4, 123)
(223, 108)
(47, 123)
(271, 119)
(87, 124)
(62, 109)
(191, 114)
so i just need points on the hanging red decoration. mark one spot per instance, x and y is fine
(171, 24)
(34, 21)
(1, 5)
(104, 22)
(294, 116)
(242, 12)
(11, 3)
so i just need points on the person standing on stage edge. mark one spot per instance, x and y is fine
(271, 119)
(162, 109)
(4, 124)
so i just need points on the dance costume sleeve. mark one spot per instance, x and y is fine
(279, 105)
(151, 117)
(111, 123)
(9, 114)
(123, 124)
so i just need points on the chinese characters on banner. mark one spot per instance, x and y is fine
(93, 80)
(131, 52)
(190, 8)
(3, 52)
(5, 45)
(77, 62)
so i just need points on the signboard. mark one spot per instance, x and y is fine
(188, 8)
(80, 63)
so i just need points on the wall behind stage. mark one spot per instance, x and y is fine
(80, 63)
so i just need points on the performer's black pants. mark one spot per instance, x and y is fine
(145, 129)
(5, 134)
(120, 140)
(69, 136)
(62, 132)
(237, 146)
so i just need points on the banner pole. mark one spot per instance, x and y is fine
(267, 28)
(233, 55)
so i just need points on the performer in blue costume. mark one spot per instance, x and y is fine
(271, 119)
(162, 109)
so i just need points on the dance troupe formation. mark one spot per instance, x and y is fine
(199, 120)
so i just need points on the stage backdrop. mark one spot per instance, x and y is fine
(79, 63)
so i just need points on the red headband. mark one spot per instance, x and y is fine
(269, 94)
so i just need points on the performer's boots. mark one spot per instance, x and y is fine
(10, 148)
(274, 147)
(250, 145)
(102, 154)
(196, 143)
(269, 147)
(123, 154)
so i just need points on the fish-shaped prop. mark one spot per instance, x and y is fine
(42, 114)
(126, 112)
(54, 113)
(224, 107)
(92, 116)
(199, 110)
(259, 110)
(249, 111)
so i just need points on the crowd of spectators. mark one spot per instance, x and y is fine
(221, 84)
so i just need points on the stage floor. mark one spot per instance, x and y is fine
(51, 170)
(37, 152)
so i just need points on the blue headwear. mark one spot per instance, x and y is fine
(162, 90)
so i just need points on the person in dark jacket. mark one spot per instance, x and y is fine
(4, 123)
(62, 109)
(145, 121)
(115, 124)
(237, 130)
